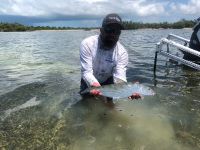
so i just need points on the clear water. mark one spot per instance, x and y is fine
(39, 81)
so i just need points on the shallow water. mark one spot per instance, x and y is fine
(44, 66)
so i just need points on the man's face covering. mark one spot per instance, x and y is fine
(110, 35)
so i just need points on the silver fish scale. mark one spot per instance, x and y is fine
(117, 91)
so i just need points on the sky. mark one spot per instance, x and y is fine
(90, 13)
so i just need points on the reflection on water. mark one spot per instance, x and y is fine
(44, 67)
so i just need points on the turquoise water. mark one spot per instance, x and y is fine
(41, 109)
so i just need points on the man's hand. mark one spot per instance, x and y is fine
(95, 84)
(95, 92)
(135, 96)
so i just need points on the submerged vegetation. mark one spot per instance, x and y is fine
(129, 25)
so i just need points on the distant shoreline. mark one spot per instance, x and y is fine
(98, 29)
(59, 30)
(65, 30)
(72, 30)
(128, 25)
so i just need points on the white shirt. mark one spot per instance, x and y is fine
(97, 65)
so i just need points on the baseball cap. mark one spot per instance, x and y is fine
(112, 19)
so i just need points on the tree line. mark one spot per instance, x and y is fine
(128, 25)
(16, 27)
(175, 25)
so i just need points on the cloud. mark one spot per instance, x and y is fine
(88, 8)
(192, 7)
(142, 8)
(36, 11)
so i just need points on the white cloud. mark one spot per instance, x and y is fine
(142, 8)
(80, 7)
(21, 8)
(190, 8)
(139, 10)
(173, 6)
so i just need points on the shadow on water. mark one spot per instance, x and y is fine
(36, 125)
(21, 95)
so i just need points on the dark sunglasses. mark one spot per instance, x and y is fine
(112, 31)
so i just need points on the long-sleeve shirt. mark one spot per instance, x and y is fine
(98, 64)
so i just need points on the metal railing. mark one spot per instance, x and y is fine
(173, 36)
(182, 47)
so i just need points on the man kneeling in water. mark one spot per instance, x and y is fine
(103, 59)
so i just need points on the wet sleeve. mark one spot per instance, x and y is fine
(120, 69)
(86, 65)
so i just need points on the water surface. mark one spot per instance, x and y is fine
(44, 66)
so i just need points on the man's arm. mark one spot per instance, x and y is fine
(119, 73)
(86, 65)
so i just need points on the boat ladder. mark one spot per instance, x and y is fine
(180, 44)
